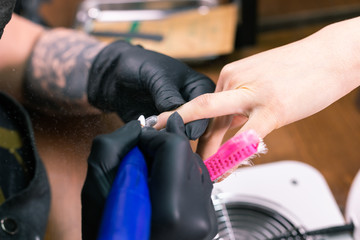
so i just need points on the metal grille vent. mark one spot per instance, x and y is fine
(250, 220)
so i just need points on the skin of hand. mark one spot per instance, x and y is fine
(14, 56)
(280, 86)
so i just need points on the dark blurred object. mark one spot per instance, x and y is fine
(247, 23)
(284, 14)
(30, 10)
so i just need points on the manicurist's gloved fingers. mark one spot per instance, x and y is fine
(176, 125)
(195, 84)
(200, 85)
(180, 186)
(106, 154)
(170, 96)
(189, 85)
(134, 81)
(108, 150)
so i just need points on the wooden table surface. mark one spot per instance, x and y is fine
(329, 141)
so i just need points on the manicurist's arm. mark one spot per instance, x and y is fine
(47, 69)
(64, 71)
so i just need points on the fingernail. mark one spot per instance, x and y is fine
(151, 121)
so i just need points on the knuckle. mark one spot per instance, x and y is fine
(202, 105)
(228, 79)
(203, 100)
(226, 70)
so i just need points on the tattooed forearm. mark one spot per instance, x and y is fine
(57, 72)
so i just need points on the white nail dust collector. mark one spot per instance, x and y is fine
(285, 200)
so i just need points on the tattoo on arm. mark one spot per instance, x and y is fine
(57, 72)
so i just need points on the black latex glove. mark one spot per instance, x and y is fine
(106, 154)
(133, 81)
(179, 184)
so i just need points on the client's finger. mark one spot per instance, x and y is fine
(262, 121)
(212, 105)
(210, 142)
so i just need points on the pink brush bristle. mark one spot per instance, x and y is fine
(233, 153)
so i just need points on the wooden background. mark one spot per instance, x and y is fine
(62, 12)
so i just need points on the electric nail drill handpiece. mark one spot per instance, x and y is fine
(127, 212)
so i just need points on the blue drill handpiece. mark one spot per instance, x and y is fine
(127, 212)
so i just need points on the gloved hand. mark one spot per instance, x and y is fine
(176, 173)
(106, 154)
(133, 81)
(179, 184)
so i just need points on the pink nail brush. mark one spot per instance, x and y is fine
(238, 150)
